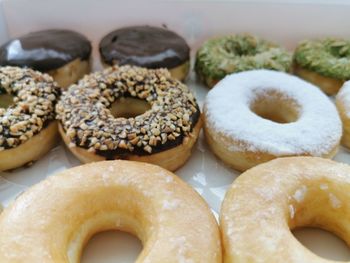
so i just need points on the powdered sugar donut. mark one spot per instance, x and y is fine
(255, 116)
(343, 106)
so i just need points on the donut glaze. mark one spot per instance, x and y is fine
(266, 202)
(52, 221)
(240, 130)
(45, 50)
(144, 46)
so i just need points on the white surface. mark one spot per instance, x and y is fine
(286, 23)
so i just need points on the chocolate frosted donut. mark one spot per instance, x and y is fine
(63, 54)
(146, 46)
(163, 135)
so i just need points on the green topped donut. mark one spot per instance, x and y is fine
(324, 62)
(221, 56)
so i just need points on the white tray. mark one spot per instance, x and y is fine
(285, 23)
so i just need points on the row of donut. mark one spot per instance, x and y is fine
(65, 55)
(53, 220)
(249, 117)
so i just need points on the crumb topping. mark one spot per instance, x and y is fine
(221, 56)
(88, 122)
(329, 57)
(34, 98)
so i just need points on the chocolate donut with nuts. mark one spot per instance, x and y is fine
(132, 113)
(27, 116)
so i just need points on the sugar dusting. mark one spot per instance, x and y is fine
(300, 193)
(334, 201)
(227, 111)
(171, 204)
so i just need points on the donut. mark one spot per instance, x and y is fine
(222, 56)
(94, 126)
(323, 62)
(284, 194)
(146, 46)
(63, 54)
(254, 116)
(342, 102)
(171, 219)
(28, 128)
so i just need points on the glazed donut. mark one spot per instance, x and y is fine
(143, 199)
(221, 56)
(63, 54)
(164, 134)
(28, 128)
(255, 116)
(284, 194)
(146, 46)
(324, 62)
(343, 105)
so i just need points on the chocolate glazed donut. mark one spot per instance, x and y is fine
(63, 54)
(146, 46)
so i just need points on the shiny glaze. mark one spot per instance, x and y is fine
(144, 46)
(45, 50)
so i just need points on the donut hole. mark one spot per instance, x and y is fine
(275, 107)
(318, 222)
(112, 246)
(240, 48)
(322, 243)
(5, 100)
(129, 107)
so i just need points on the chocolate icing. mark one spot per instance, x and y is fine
(124, 154)
(45, 50)
(144, 46)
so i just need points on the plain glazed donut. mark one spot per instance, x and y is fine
(342, 102)
(162, 135)
(323, 62)
(28, 129)
(266, 202)
(256, 116)
(53, 220)
(63, 54)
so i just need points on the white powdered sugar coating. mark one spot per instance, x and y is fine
(227, 110)
(344, 97)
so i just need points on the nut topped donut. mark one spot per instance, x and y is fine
(94, 126)
(254, 116)
(27, 126)
(63, 54)
(323, 62)
(221, 56)
(146, 46)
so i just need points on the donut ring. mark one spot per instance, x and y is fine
(221, 56)
(135, 197)
(163, 135)
(27, 127)
(255, 116)
(325, 63)
(284, 194)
